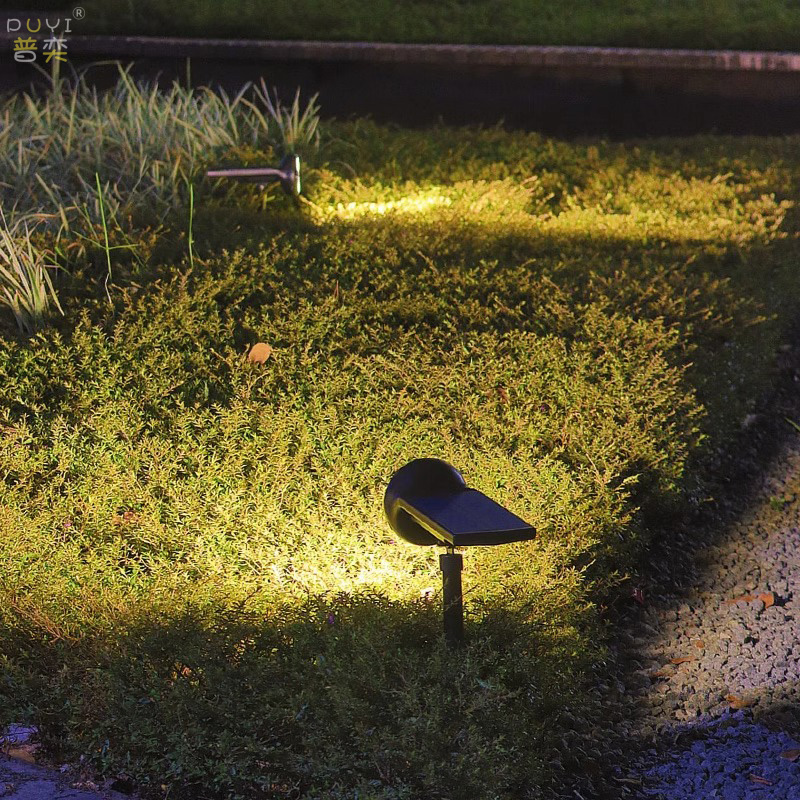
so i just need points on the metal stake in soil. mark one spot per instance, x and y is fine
(451, 564)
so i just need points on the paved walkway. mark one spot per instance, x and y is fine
(491, 55)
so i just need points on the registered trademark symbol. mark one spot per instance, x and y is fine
(78, 12)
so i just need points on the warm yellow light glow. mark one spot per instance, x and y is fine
(416, 203)
(394, 580)
(651, 208)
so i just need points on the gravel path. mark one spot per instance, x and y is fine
(701, 696)
(21, 779)
(719, 674)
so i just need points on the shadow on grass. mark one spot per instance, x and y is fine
(344, 696)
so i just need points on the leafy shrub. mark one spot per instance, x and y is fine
(200, 590)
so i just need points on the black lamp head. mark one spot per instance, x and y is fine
(428, 502)
(431, 474)
(287, 174)
(290, 182)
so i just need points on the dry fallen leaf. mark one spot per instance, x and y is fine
(24, 752)
(791, 755)
(89, 786)
(759, 779)
(259, 353)
(630, 781)
(666, 672)
(128, 517)
(767, 598)
(681, 660)
(737, 703)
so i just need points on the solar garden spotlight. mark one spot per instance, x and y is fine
(287, 174)
(428, 502)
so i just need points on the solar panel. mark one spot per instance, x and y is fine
(465, 518)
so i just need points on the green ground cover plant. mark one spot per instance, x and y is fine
(761, 24)
(198, 590)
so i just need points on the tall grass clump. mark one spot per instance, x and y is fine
(25, 283)
(102, 169)
(298, 130)
(143, 141)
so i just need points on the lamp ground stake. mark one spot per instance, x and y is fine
(451, 564)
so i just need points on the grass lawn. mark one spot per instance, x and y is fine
(760, 24)
(198, 589)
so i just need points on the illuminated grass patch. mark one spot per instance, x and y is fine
(198, 587)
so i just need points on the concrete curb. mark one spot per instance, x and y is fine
(444, 54)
